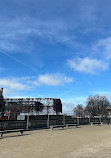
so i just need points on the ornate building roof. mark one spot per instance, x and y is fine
(108, 108)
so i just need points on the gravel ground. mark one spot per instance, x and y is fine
(84, 142)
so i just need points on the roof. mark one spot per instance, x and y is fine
(108, 108)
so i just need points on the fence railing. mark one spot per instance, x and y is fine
(44, 121)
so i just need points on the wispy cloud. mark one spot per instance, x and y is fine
(3, 69)
(103, 47)
(49, 20)
(15, 36)
(54, 79)
(101, 92)
(16, 31)
(88, 65)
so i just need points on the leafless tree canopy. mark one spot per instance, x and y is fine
(79, 110)
(95, 106)
(57, 105)
(38, 107)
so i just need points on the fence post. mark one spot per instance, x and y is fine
(48, 121)
(89, 120)
(64, 120)
(28, 121)
(100, 118)
(78, 120)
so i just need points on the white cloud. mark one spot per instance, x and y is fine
(13, 83)
(24, 83)
(16, 85)
(54, 79)
(87, 65)
(103, 47)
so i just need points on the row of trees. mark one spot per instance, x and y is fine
(95, 106)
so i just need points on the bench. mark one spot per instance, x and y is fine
(12, 131)
(67, 125)
(97, 123)
(57, 126)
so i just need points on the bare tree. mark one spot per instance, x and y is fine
(38, 107)
(91, 106)
(48, 105)
(57, 106)
(78, 110)
(96, 105)
(103, 103)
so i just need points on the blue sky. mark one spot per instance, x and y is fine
(59, 49)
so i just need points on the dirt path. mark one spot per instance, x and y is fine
(85, 142)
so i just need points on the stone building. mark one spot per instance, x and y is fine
(2, 103)
(1, 93)
(24, 105)
(108, 111)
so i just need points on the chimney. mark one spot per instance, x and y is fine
(1, 89)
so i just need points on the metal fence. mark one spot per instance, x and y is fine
(44, 121)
